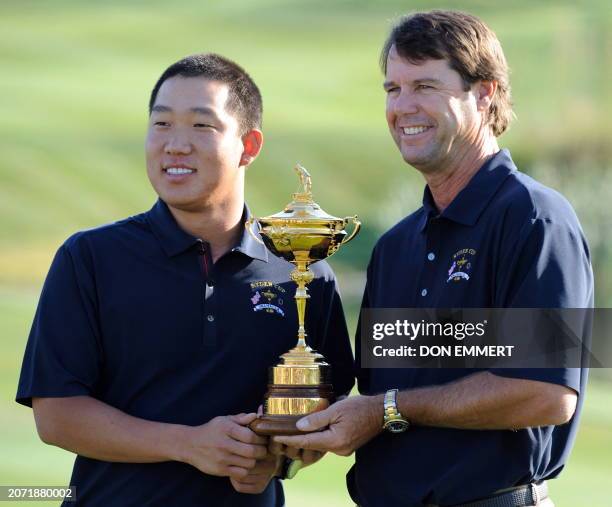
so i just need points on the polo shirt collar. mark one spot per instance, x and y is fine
(175, 240)
(247, 244)
(470, 202)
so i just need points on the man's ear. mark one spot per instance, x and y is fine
(485, 91)
(252, 142)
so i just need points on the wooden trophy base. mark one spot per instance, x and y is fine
(272, 425)
(298, 386)
(286, 405)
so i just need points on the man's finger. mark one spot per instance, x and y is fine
(237, 473)
(241, 487)
(293, 453)
(248, 450)
(315, 421)
(276, 448)
(309, 457)
(247, 436)
(243, 419)
(241, 461)
(320, 441)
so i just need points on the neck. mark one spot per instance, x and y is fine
(447, 182)
(220, 226)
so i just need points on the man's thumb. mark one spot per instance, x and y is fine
(314, 422)
(243, 419)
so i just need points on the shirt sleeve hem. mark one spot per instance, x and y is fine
(26, 398)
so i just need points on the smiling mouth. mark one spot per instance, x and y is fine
(178, 171)
(413, 131)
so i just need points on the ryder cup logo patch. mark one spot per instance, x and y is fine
(268, 297)
(461, 265)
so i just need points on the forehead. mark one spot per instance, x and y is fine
(186, 93)
(400, 69)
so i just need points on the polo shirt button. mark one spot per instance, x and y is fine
(210, 318)
(431, 256)
(424, 292)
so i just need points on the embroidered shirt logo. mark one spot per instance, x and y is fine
(461, 265)
(268, 297)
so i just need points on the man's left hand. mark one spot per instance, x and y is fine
(346, 425)
(306, 456)
(257, 479)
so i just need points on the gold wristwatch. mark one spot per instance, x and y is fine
(392, 419)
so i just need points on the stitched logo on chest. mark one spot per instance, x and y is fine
(461, 265)
(268, 297)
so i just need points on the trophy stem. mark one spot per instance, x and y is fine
(300, 300)
(302, 276)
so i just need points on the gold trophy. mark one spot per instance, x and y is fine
(302, 234)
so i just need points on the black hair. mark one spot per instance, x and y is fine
(244, 98)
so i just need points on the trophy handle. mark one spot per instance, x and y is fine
(356, 227)
(248, 224)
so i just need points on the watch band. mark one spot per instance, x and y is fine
(393, 420)
(390, 404)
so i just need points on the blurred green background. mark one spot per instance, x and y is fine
(74, 86)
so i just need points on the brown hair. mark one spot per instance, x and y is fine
(470, 47)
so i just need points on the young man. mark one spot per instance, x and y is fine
(460, 436)
(153, 336)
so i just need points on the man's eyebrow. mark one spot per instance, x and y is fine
(427, 80)
(424, 80)
(160, 108)
(203, 110)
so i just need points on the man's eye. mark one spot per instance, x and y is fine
(202, 125)
(161, 124)
(392, 89)
(424, 87)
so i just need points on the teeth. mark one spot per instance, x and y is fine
(178, 170)
(410, 131)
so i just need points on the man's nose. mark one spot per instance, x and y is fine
(405, 103)
(178, 145)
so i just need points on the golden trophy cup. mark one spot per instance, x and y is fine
(302, 234)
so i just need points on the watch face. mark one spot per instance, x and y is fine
(397, 426)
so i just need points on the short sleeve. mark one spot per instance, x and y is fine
(549, 268)
(62, 356)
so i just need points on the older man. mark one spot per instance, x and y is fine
(460, 436)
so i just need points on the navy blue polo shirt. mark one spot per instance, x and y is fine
(504, 241)
(136, 315)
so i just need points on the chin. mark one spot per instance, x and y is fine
(420, 164)
(185, 203)
(420, 160)
(414, 160)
